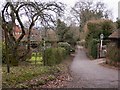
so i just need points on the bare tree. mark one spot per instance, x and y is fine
(19, 11)
(87, 10)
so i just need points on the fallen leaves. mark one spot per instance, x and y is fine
(39, 77)
(60, 82)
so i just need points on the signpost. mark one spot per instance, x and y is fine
(101, 44)
(101, 41)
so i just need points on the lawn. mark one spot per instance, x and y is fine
(36, 59)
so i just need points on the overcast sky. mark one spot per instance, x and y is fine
(111, 4)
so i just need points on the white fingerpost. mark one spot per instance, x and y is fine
(101, 41)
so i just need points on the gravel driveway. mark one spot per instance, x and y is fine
(88, 73)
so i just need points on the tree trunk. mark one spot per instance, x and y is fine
(6, 50)
(14, 58)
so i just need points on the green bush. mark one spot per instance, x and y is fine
(94, 31)
(113, 52)
(54, 55)
(66, 46)
(12, 61)
(92, 48)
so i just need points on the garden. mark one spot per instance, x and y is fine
(34, 68)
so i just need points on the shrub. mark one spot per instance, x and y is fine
(92, 48)
(20, 52)
(66, 46)
(113, 52)
(54, 55)
(94, 31)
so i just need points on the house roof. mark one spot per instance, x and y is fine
(50, 35)
(115, 34)
(35, 36)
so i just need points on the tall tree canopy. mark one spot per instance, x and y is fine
(62, 29)
(87, 10)
(66, 33)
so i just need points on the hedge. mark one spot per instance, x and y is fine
(113, 52)
(54, 55)
(93, 35)
(92, 48)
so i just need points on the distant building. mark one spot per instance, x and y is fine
(17, 31)
(35, 34)
(119, 10)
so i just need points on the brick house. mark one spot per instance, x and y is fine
(17, 31)
(35, 34)
(35, 37)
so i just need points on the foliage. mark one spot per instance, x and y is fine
(34, 11)
(94, 31)
(118, 23)
(4, 61)
(69, 37)
(92, 48)
(113, 52)
(62, 29)
(66, 46)
(84, 11)
(54, 55)
(67, 33)
(107, 28)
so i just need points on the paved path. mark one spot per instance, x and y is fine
(89, 74)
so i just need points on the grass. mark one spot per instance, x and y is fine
(24, 73)
(38, 59)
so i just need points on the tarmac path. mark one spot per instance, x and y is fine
(88, 73)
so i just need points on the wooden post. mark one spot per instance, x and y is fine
(35, 57)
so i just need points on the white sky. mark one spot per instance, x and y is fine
(111, 4)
